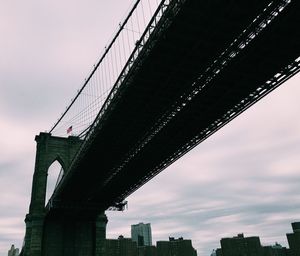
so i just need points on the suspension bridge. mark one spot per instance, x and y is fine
(175, 72)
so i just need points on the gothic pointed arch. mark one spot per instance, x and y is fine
(54, 175)
(60, 160)
(49, 149)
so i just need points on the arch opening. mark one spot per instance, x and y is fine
(55, 173)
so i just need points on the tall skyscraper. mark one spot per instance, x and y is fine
(141, 234)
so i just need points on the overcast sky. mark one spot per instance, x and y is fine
(245, 178)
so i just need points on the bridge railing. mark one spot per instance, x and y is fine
(111, 68)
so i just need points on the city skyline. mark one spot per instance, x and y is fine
(241, 245)
(244, 178)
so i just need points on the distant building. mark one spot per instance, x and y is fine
(219, 252)
(141, 234)
(120, 247)
(147, 251)
(294, 239)
(214, 253)
(13, 251)
(274, 250)
(178, 247)
(240, 245)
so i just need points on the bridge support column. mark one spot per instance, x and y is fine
(33, 235)
(49, 149)
(74, 236)
(101, 222)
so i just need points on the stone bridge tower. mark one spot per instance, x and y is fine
(64, 235)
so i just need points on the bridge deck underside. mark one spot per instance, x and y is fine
(130, 146)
